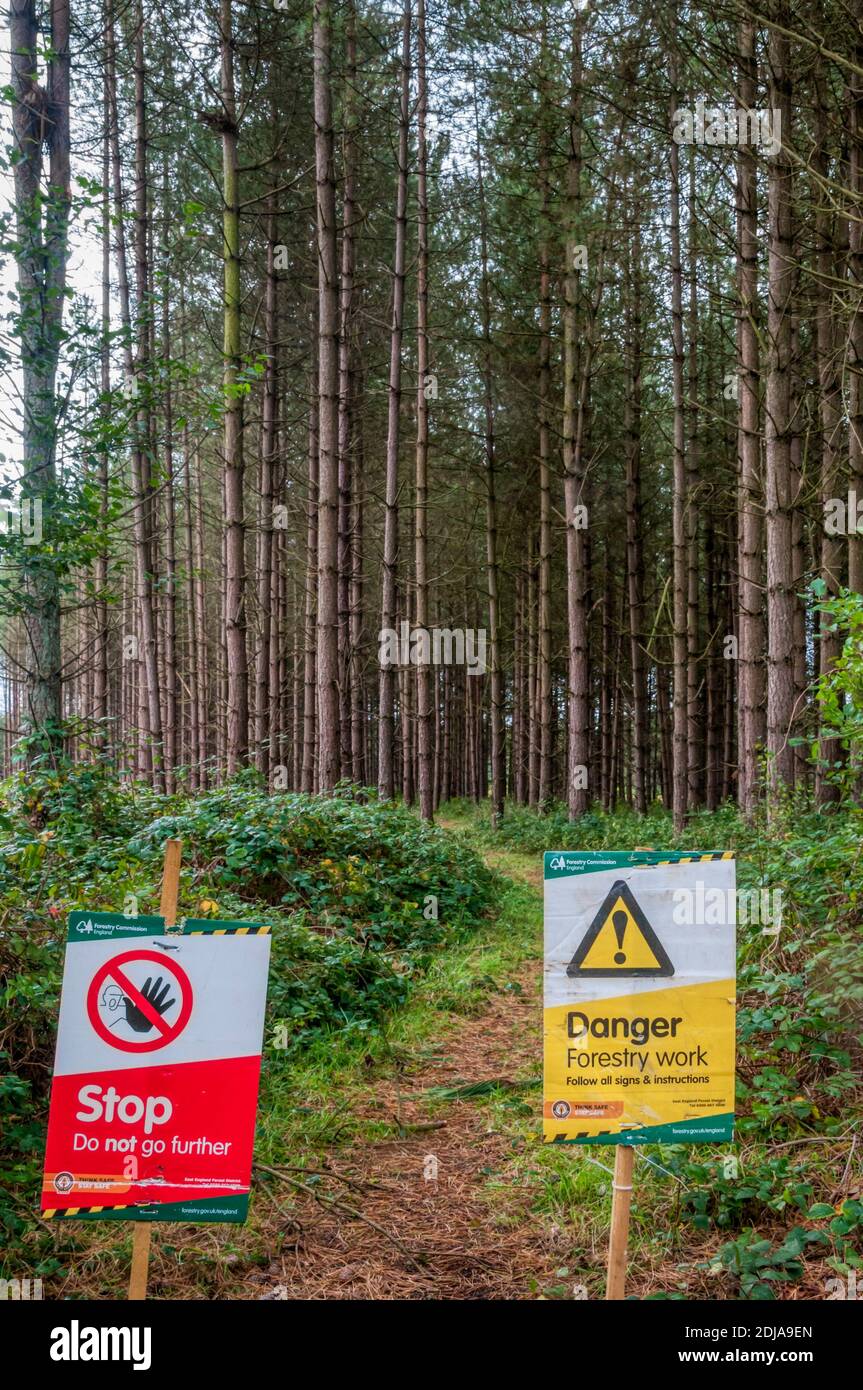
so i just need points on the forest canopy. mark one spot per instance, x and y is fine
(339, 327)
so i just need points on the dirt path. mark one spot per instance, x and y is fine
(439, 1232)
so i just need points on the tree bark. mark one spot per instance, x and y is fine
(236, 658)
(679, 767)
(387, 676)
(425, 706)
(780, 572)
(41, 255)
(751, 723)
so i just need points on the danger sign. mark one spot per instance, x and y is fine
(620, 940)
(156, 1073)
(639, 997)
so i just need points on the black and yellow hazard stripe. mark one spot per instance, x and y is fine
(82, 1211)
(695, 858)
(229, 931)
(585, 1134)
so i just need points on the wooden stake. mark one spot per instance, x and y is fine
(171, 882)
(168, 909)
(624, 1161)
(140, 1262)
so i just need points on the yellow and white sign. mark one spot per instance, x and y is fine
(639, 997)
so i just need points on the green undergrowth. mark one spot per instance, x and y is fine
(365, 988)
(315, 1103)
(782, 1206)
(363, 899)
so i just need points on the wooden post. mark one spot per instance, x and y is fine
(168, 909)
(624, 1160)
(171, 882)
(140, 1261)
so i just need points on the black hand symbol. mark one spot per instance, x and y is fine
(157, 996)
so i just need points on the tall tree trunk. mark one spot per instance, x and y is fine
(575, 388)
(425, 708)
(497, 729)
(694, 719)
(359, 770)
(100, 676)
(346, 395)
(751, 722)
(829, 270)
(854, 124)
(328, 407)
(543, 711)
(169, 589)
(265, 753)
(780, 572)
(237, 673)
(310, 720)
(679, 769)
(387, 676)
(634, 536)
(42, 222)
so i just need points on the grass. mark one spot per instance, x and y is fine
(457, 984)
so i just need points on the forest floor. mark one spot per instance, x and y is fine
(418, 1205)
(430, 1225)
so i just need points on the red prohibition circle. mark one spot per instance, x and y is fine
(167, 1032)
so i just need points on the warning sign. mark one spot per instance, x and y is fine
(639, 997)
(155, 1085)
(138, 1014)
(620, 940)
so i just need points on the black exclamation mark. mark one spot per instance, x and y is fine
(620, 920)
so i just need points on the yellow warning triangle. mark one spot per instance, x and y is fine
(620, 940)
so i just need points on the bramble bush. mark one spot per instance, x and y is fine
(360, 896)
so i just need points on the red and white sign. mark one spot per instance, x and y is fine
(146, 1017)
(156, 1073)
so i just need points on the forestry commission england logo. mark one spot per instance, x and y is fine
(77, 1343)
(557, 862)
